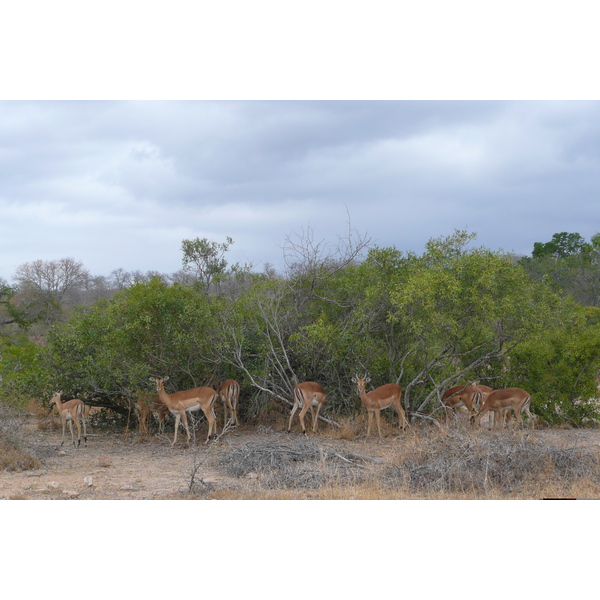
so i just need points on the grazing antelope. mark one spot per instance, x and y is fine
(72, 410)
(485, 392)
(229, 392)
(186, 401)
(308, 395)
(503, 400)
(461, 395)
(378, 399)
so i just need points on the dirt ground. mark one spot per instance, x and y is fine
(120, 466)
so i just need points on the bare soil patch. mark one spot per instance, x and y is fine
(123, 466)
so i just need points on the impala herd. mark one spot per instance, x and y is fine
(477, 399)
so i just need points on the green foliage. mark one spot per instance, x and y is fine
(22, 372)
(569, 264)
(455, 313)
(558, 367)
(111, 349)
(561, 245)
(205, 258)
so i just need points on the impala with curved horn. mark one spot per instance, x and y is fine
(378, 399)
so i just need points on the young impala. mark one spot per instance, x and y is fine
(378, 399)
(72, 410)
(308, 395)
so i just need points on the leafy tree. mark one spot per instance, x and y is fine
(570, 264)
(204, 259)
(108, 351)
(561, 245)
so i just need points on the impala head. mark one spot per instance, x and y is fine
(361, 382)
(55, 396)
(159, 382)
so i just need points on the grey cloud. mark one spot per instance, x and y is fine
(150, 173)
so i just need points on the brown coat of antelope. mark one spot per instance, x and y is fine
(186, 401)
(462, 395)
(308, 395)
(72, 410)
(501, 401)
(229, 392)
(376, 400)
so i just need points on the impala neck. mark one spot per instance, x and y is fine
(160, 388)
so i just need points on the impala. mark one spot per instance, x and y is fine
(180, 403)
(229, 392)
(461, 395)
(155, 407)
(308, 395)
(72, 410)
(485, 392)
(500, 401)
(378, 399)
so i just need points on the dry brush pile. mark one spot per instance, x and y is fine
(295, 464)
(456, 463)
(506, 463)
(13, 455)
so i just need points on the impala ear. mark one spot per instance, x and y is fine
(166, 378)
(355, 379)
(367, 379)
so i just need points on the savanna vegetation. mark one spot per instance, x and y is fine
(456, 312)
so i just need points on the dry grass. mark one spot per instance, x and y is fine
(13, 456)
(451, 463)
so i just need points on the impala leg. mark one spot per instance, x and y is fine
(211, 418)
(225, 405)
(187, 427)
(369, 422)
(71, 429)
(378, 420)
(235, 413)
(294, 409)
(213, 425)
(518, 418)
(84, 432)
(78, 425)
(316, 420)
(531, 418)
(302, 414)
(402, 415)
(177, 419)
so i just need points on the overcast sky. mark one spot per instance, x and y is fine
(121, 184)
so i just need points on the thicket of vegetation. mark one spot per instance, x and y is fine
(455, 313)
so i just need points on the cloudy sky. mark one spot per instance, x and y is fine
(121, 183)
